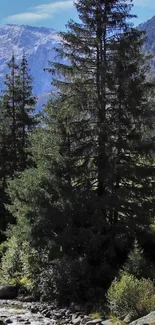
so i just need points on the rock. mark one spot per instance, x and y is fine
(8, 292)
(20, 320)
(85, 319)
(34, 309)
(27, 299)
(46, 312)
(66, 321)
(58, 315)
(128, 318)
(76, 320)
(94, 321)
(8, 321)
(107, 322)
(68, 312)
(148, 319)
(1, 322)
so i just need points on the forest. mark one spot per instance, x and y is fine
(77, 179)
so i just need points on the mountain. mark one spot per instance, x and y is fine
(149, 46)
(38, 45)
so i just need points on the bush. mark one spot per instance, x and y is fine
(136, 263)
(131, 295)
(18, 264)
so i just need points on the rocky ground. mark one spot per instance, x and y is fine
(16, 312)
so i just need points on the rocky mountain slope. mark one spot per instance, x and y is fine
(149, 46)
(38, 45)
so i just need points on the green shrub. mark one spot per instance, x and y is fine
(136, 263)
(131, 295)
(96, 315)
(18, 264)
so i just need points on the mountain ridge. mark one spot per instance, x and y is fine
(38, 44)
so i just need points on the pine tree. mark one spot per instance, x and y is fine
(17, 122)
(9, 107)
(108, 72)
(106, 79)
(95, 187)
(26, 117)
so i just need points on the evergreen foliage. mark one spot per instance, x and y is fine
(17, 121)
(91, 189)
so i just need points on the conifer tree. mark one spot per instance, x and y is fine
(17, 122)
(26, 103)
(95, 186)
(9, 107)
(107, 79)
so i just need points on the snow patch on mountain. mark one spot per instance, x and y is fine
(38, 44)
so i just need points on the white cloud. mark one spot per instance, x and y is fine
(45, 11)
(40, 12)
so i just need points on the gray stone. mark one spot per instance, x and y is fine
(1, 322)
(107, 322)
(58, 315)
(34, 309)
(21, 320)
(148, 319)
(85, 319)
(46, 313)
(8, 321)
(27, 299)
(128, 318)
(94, 321)
(8, 292)
(76, 320)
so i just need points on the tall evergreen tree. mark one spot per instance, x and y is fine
(107, 78)
(95, 186)
(17, 121)
(9, 107)
(26, 117)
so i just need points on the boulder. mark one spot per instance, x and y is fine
(148, 319)
(107, 322)
(76, 320)
(1, 322)
(86, 319)
(8, 292)
(128, 318)
(94, 322)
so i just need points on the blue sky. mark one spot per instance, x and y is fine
(56, 13)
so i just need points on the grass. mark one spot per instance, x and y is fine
(96, 315)
(118, 321)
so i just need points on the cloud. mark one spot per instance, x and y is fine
(144, 3)
(40, 12)
(45, 11)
